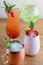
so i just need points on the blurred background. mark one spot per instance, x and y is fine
(19, 3)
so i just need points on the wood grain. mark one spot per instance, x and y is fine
(36, 60)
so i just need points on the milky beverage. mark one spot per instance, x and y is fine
(16, 46)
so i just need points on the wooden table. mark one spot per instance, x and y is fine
(36, 60)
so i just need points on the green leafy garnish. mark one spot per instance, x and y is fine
(8, 7)
(8, 43)
(31, 25)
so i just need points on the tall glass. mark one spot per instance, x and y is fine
(13, 24)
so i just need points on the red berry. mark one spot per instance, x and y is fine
(27, 33)
(12, 14)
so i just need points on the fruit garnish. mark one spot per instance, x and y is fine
(12, 14)
(27, 28)
(8, 8)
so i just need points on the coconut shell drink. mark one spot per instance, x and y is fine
(13, 28)
(30, 14)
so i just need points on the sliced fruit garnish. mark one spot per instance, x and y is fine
(27, 29)
(12, 14)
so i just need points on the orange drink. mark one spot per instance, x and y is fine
(13, 24)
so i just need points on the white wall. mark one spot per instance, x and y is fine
(19, 3)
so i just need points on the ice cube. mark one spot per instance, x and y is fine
(16, 47)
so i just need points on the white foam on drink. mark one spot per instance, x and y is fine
(16, 46)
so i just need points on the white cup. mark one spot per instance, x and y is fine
(32, 45)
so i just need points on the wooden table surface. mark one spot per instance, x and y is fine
(36, 60)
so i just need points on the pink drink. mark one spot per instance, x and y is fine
(32, 33)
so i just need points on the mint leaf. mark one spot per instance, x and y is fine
(8, 45)
(31, 25)
(8, 7)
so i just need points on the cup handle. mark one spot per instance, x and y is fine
(3, 59)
